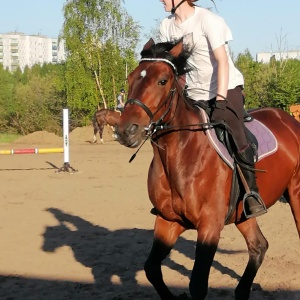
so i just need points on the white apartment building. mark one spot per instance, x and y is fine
(265, 57)
(20, 50)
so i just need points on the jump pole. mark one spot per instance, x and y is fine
(66, 149)
(66, 167)
(32, 151)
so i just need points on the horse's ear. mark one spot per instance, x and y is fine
(149, 44)
(177, 49)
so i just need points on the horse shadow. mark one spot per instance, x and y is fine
(116, 256)
(119, 253)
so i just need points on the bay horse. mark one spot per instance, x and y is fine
(189, 184)
(104, 117)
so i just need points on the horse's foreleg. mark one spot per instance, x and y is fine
(207, 243)
(257, 247)
(114, 135)
(165, 236)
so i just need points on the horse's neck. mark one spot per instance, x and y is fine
(186, 136)
(185, 113)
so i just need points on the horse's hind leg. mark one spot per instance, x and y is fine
(95, 138)
(257, 247)
(165, 236)
(101, 128)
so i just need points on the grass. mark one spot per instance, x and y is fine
(8, 137)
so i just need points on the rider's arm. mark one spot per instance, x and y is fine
(223, 71)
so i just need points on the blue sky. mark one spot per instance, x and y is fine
(257, 25)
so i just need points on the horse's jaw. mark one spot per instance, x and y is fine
(129, 144)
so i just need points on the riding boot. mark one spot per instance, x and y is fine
(254, 205)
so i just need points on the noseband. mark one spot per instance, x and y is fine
(154, 125)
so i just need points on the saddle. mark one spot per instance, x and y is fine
(261, 139)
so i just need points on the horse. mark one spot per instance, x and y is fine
(104, 117)
(189, 184)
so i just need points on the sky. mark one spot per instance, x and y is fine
(257, 25)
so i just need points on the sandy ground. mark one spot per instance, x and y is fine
(86, 235)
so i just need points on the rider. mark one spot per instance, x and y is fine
(214, 79)
(120, 101)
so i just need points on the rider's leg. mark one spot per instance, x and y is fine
(253, 203)
(233, 118)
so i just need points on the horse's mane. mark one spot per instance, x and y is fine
(161, 50)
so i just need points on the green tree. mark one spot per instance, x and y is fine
(256, 79)
(35, 106)
(90, 28)
(32, 100)
(7, 83)
(284, 84)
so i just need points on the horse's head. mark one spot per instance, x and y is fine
(56, 237)
(152, 91)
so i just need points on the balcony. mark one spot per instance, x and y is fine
(15, 62)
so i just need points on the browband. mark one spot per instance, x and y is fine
(161, 59)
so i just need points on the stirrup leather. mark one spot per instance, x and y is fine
(259, 201)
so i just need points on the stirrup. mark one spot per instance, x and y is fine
(259, 200)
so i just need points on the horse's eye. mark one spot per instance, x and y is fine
(163, 82)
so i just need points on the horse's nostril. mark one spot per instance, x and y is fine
(132, 129)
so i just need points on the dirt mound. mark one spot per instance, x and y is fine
(78, 135)
(40, 138)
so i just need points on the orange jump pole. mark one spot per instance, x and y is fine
(32, 151)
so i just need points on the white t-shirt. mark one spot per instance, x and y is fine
(204, 32)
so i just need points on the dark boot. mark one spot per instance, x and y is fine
(254, 206)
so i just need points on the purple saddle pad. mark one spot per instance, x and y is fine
(267, 143)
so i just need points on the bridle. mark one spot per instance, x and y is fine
(155, 125)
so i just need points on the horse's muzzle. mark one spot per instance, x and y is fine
(131, 136)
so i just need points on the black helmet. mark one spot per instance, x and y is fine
(122, 91)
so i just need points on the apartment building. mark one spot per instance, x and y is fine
(265, 57)
(18, 50)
